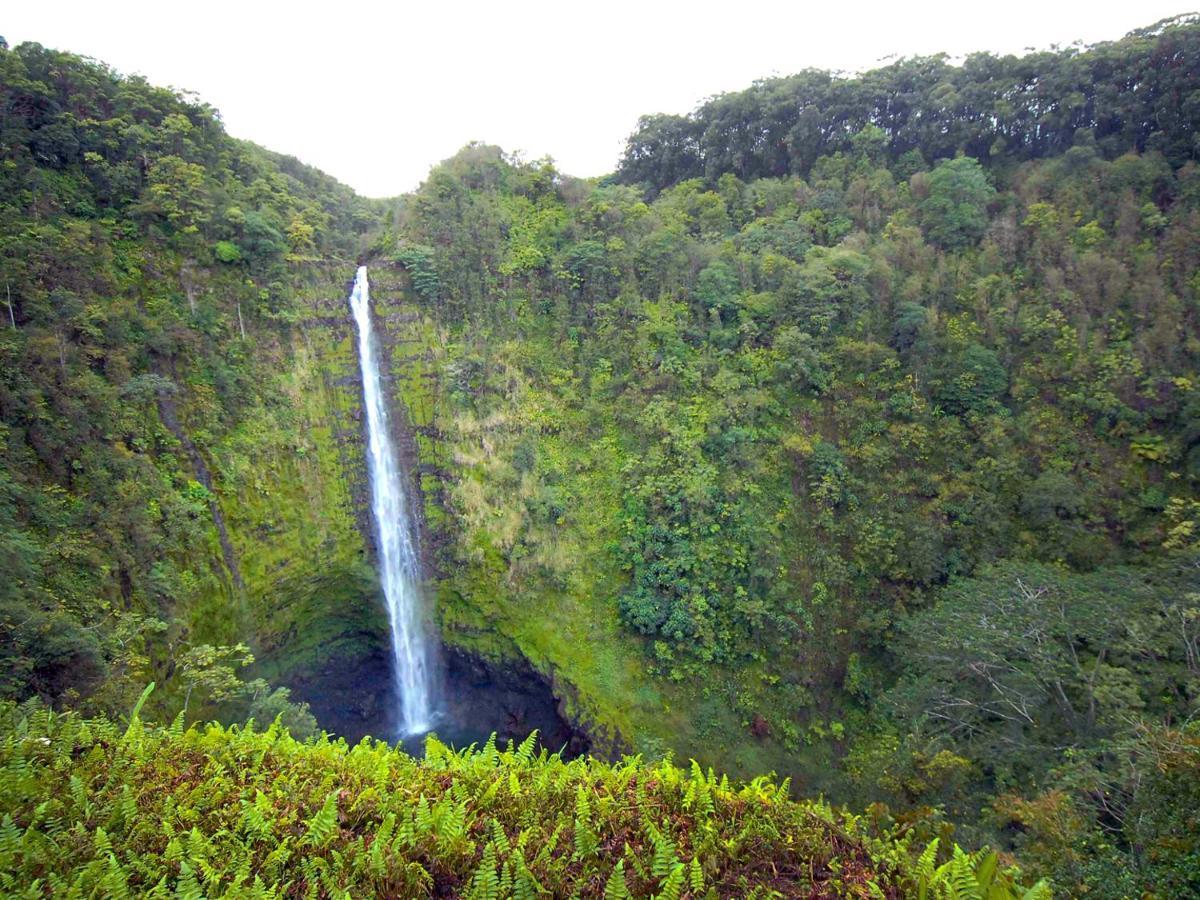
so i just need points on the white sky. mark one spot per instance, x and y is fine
(376, 93)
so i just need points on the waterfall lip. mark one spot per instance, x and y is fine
(395, 534)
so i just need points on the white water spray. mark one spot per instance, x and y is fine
(398, 560)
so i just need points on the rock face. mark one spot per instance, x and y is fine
(509, 700)
(349, 695)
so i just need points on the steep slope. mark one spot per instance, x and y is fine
(184, 479)
(889, 465)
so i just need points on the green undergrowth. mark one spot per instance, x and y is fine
(93, 808)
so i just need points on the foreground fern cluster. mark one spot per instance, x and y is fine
(90, 808)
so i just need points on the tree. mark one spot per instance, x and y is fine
(971, 381)
(716, 289)
(1029, 656)
(213, 670)
(177, 191)
(277, 705)
(954, 212)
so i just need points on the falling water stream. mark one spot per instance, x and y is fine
(399, 562)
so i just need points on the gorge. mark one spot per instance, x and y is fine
(848, 431)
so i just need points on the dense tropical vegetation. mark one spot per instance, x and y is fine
(90, 808)
(850, 430)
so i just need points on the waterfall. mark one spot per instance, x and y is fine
(399, 563)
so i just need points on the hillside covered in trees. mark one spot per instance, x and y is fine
(849, 431)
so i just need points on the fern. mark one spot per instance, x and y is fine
(423, 821)
(114, 883)
(10, 838)
(695, 877)
(926, 866)
(500, 839)
(525, 886)
(524, 753)
(141, 701)
(547, 851)
(79, 796)
(586, 840)
(968, 876)
(672, 886)
(959, 877)
(450, 821)
(485, 885)
(127, 810)
(665, 859)
(698, 795)
(322, 826)
(616, 888)
(384, 835)
(255, 817)
(241, 874)
(236, 812)
(186, 886)
(174, 851)
(986, 869)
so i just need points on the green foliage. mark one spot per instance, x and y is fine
(1027, 657)
(1108, 97)
(765, 436)
(1117, 831)
(969, 876)
(810, 458)
(972, 381)
(227, 252)
(954, 210)
(277, 706)
(418, 261)
(142, 254)
(214, 811)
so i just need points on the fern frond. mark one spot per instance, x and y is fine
(671, 887)
(616, 888)
(322, 826)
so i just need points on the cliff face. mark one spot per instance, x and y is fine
(292, 520)
(289, 484)
(515, 594)
(490, 684)
(521, 645)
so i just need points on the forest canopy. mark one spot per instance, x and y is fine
(1139, 93)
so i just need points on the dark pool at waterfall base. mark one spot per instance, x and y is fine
(475, 700)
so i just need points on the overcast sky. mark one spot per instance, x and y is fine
(375, 94)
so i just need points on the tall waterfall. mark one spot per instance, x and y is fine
(399, 563)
